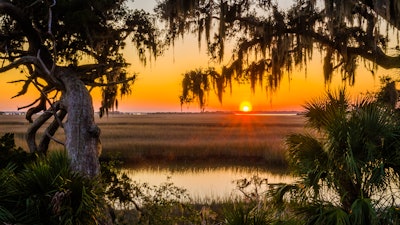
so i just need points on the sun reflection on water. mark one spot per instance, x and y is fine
(212, 183)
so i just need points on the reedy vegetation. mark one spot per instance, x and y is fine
(174, 138)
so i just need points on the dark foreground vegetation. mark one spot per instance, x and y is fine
(38, 189)
(348, 174)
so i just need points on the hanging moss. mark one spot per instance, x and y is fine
(282, 40)
(195, 87)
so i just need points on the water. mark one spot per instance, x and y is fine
(207, 183)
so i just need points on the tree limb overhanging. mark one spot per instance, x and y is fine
(343, 31)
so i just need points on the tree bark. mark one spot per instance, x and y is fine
(82, 135)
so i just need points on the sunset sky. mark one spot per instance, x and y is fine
(158, 85)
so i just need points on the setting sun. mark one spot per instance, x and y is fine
(245, 106)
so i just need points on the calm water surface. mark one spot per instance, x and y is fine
(218, 181)
(206, 183)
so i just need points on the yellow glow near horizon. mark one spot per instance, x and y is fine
(245, 106)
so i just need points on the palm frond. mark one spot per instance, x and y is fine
(362, 213)
(321, 213)
(321, 113)
(6, 216)
(304, 153)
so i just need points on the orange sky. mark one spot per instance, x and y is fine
(158, 85)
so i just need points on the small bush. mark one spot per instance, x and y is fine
(9, 153)
(45, 190)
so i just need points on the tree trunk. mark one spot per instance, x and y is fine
(81, 133)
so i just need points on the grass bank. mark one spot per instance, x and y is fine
(186, 138)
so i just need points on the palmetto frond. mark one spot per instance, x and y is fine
(7, 192)
(308, 160)
(356, 153)
(324, 214)
(47, 191)
(306, 153)
(363, 213)
(321, 113)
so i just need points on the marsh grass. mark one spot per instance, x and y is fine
(18, 125)
(180, 138)
(200, 138)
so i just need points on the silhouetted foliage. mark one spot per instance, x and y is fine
(47, 191)
(270, 40)
(349, 170)
(44, 190)
(388, 94)
(10, 154)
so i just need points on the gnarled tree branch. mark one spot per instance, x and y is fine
(21, 61)
(50, 131)
(32, 130)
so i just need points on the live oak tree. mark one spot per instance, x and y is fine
(64, 48)
(268, 40)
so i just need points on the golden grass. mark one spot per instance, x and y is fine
(18, 125)
(198, 137)
(221, 138)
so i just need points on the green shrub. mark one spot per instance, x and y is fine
(241, 213)
(349, 169)
(9, 153)
(45, 191)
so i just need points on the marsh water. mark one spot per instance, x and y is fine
(212, 183)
